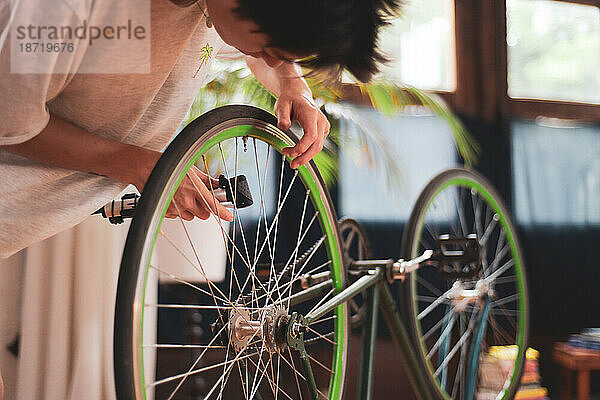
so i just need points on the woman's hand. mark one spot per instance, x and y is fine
(294, 103)
(195, 199)
(298, 105)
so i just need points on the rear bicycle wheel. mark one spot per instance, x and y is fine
(468, 315)
(240, 277)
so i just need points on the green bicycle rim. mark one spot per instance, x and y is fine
(317, 198)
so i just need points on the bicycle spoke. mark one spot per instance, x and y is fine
(263, 213)
(459, 343)
(306, 260)
(276, 219)
(287, 284)
(323, 320)
(508, 314)
(433, 329)
(509, 264)
(321, 301)
(201, 269)
(255, 383)
(181, 346)
(505, 300)
(193, 306)
(197, 371)
(320, 336)
(279, 276)
(502, 332)
(298, 242)
(175, 377)
(461, 216)
(269, 231)
(437, 302)
(234, 360)
(431, 299)
(501, 250)
(234, 193)
(211, 285)
(244, 387)
(251, 269)
(226, 372)
(319, 364)
(476, 202)
(218, 219)
(278, 375)
(489, 229)
(444, 334)
(505, 279)
(460, 373)
(230, 255)
(428, 285)
(183, 281)
(316, 339)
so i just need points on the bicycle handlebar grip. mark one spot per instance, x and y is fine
(117, 210)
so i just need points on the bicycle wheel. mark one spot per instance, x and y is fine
(240, 280)
(471, 298)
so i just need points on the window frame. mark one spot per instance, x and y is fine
(482, 56)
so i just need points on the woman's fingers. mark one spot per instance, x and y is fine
(194, 199)
(206, 199)
(186, 215)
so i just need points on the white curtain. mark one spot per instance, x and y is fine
(556, 173)
(11, 270)
(69, 287)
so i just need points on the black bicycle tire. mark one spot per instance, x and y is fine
(129, 269)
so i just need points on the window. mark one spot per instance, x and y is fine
(553, 50)
(553, 88)
(420, 46)
(422, 146)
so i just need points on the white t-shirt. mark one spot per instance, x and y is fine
(144, 109)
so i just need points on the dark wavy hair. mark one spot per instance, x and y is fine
(334, 34)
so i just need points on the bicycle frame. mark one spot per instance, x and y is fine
(377, 296)
(374, 285)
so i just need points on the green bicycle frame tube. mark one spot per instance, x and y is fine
(360, 285)
(367, 348)
(403, 342)
(315, 291)
(385, 302)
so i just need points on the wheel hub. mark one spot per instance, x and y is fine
(266, 327)
(461, 296)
